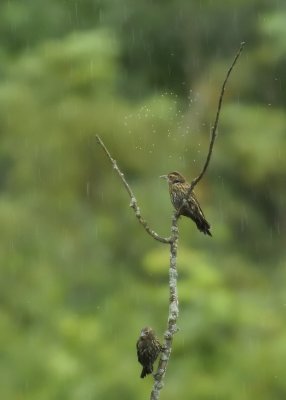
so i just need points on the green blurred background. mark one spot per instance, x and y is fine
(79, 276)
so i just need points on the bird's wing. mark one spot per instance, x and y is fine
(193, 202)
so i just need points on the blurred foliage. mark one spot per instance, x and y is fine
(76, 286)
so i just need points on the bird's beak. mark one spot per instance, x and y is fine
(164, 176)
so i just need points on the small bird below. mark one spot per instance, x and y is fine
(148, 349)
(178, 189)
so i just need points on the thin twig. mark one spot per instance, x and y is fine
(133, 202)
(214, 127)
(172, 316)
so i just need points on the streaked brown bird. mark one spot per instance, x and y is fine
(178, 188)
(148, 349)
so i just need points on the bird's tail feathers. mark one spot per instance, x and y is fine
(146, 370)
(203, 225)
(200, 220)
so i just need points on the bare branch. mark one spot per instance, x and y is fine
(133, 202)
(214, 127)
(173, 241)
(173, 313)
(174, 303)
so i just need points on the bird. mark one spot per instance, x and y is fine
(148, 348)
(178, 189)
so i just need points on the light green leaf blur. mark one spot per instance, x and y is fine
(79, 276)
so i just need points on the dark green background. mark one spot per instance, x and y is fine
(79, 276)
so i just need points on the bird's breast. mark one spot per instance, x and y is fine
(176, 197)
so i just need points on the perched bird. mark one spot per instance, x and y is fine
(148, 349)
(178, 188)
